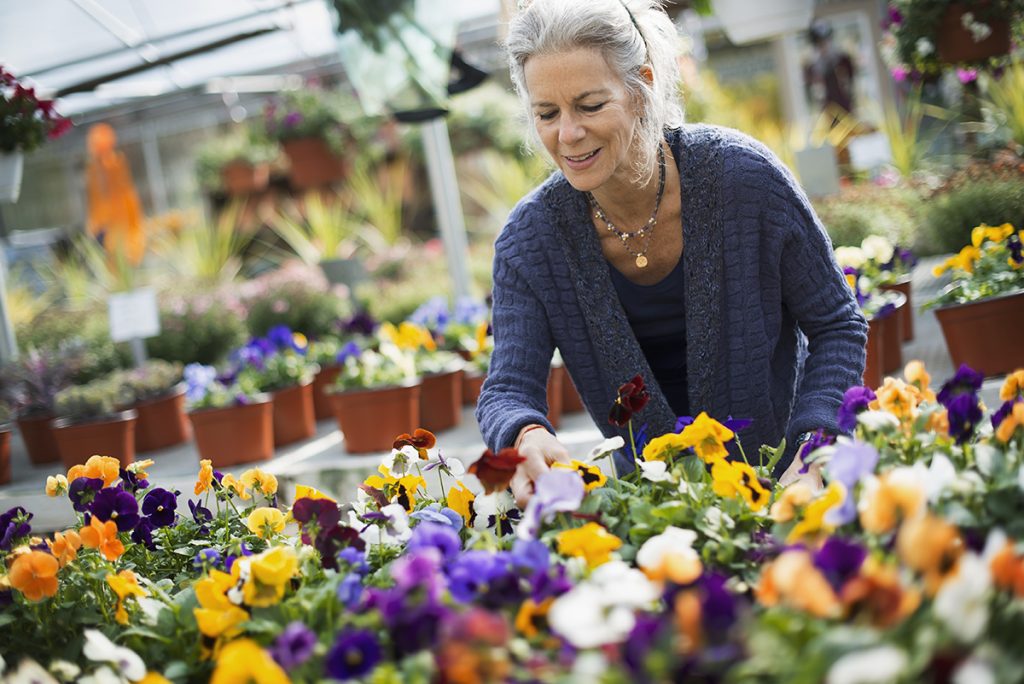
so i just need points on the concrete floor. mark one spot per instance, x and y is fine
(322, 461)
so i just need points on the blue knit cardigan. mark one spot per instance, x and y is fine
(773, 332)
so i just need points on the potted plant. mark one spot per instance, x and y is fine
(231, 420)
(323, 231)
(886, 266)
(329, 354)
(32, 384)
(90, 420)
(441, 395)
(27, 122)
(376, 397)
(238, 163)
(982, 310)
(158, 395)
(277, 364)
(307, 124)
(926, 35)
(880, 308)
(296, 295)
(5, 443)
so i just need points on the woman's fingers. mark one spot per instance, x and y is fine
(522, 487)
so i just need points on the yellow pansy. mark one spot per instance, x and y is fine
(400, 490)
(408, 336)
(460, 500)
(897, 495)
(591, 474)
(813, 521)
(532, 616)
(991, 233)
(665, 447)
(896, 397)
(265, 521)
(707, 437)
(1013, 386)
(270, 573)
(791, 500)
(230, 483)
(124, 584)
(300, 340)
(254, 479)
(217, 616)
(56, 485)
(205, 478)
(736, 479)
(917, 377)
(592, 542)
(105, 468)
(480, 337)
(244, 661)
(306, 492)
(154, 678)
(139, 468)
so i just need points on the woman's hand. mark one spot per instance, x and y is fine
(540, 448)
(812, 478)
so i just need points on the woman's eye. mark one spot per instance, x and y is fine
(545, 116)
(592, 108)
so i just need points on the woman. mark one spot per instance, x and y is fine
(686, 254)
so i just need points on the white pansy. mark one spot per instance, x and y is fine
(674, 540)
(878, 249)
(399, 462)
(852, 257)
(601, 609)
(391, 531)
(924, 47)
(103, 675)
(962, 602)
(591, 666)
(937, 478)
(30, 672)
(605, 448)
(64, 670)
(974, 670)
(488, 506)
(655, 471)
(879, 421)
(98, 648)
(871, 666)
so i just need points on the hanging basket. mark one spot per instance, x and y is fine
(954, 44)
(11, 165)
(748, 22)
(312, 163)
(243, 178)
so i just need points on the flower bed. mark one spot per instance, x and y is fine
(906, 567)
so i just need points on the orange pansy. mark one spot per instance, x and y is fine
(102, 536)
(34, 574)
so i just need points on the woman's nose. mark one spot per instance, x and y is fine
(569, 130)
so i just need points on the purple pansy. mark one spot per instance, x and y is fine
(557, 491)
(439, 536)
(361, 323)
(849, 464)
(82, 491)
(143, 533)
(734, 424)
(355, 653)
(117, 505)
(315, 516)
(160, 505)
(14, 524)
(839, 560)
(855, 400)
(436, 514)
(351, 349)
(293, 646)
(205, 559)
(350, 590)
(960, 397)
(130, 482)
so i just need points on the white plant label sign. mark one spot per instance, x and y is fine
(134, 315)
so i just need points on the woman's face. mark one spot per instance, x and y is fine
(584, 116)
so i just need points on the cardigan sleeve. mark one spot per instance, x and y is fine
(815, 292)
(515, 391)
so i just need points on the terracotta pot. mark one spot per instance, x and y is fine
(115, 437)
(38, 437)
(556, 378)
(294, 416)
(873, 365)
(471, 385)
(322, 381)
(162, 422)
(243, 178)
(892, 339)
(571, 400)
(312, 163)
(986, 334)
(441, 400)
(235, 434)
(5, 453)
(903, 286)
(954, 43)
(371, 419)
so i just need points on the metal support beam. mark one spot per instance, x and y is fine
(444, 188)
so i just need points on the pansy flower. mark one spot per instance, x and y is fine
(265, 522)
(707, 437)
(125, 585)
(590, 474)
(116, 505)
(14, 524)
(205, 479)
(737, 480)
(294, 645)
(855, 400)
(82, 491)
(355, 653)
(421, 440)
(495, 470)
(243, 660)
(64, 546)
(103, 536)
(34, 574)
(631, 398)
(460, 500)
(159, 506)
(592, 542)
(960, 397)
(56, 485)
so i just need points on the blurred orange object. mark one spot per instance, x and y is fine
(115, 216)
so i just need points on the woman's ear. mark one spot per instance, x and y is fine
(647, 73)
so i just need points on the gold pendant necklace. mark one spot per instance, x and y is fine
(645, 231)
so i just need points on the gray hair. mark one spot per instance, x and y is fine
(630, 34)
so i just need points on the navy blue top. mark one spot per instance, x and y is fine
(657, 315)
